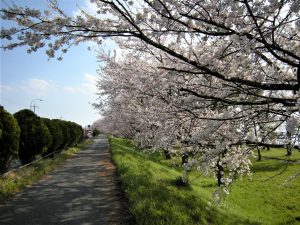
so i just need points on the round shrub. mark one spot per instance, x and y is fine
(76, 133)
(66, 138)
(56, 134)
(9, 139)
(73, 137)
(35, 136)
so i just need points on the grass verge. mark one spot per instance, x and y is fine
(17, 180)
(149, 181)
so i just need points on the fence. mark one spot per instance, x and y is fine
(28, 164)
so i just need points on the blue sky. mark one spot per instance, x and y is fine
(66, 87)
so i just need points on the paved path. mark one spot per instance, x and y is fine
(83, 191)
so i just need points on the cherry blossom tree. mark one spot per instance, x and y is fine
(163, 116)
(210, 79)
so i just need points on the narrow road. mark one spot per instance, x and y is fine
(82, 191)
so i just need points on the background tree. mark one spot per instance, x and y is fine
(9, 139)
(35, 137)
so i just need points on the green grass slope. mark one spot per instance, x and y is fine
(270, 197)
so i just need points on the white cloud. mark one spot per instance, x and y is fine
(87, 87)
(37, 86)
(5, 88)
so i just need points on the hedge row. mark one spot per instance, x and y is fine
(24, 135)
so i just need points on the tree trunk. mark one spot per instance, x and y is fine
(259, 154)
(167, 154)
(289, 146)
(289, 150)
(3, 168)
(220, 171)
(184, 158)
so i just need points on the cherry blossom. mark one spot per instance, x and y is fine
(211, 80)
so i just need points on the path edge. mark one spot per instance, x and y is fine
(127, 216)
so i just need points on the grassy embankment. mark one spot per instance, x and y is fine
(148, 181)
(15, 181)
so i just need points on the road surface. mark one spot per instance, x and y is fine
(82, 191)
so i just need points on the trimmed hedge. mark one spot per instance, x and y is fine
(9, 139)
(35, 136)
(56, 133)
(26, 135)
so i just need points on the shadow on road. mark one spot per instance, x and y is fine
(83, 191)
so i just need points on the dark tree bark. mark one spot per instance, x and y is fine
(184, 158)
(219, 171)
(167, 154)
(3, 168)
(289, 147)
(259, 154)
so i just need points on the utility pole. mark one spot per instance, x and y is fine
(34, 106)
